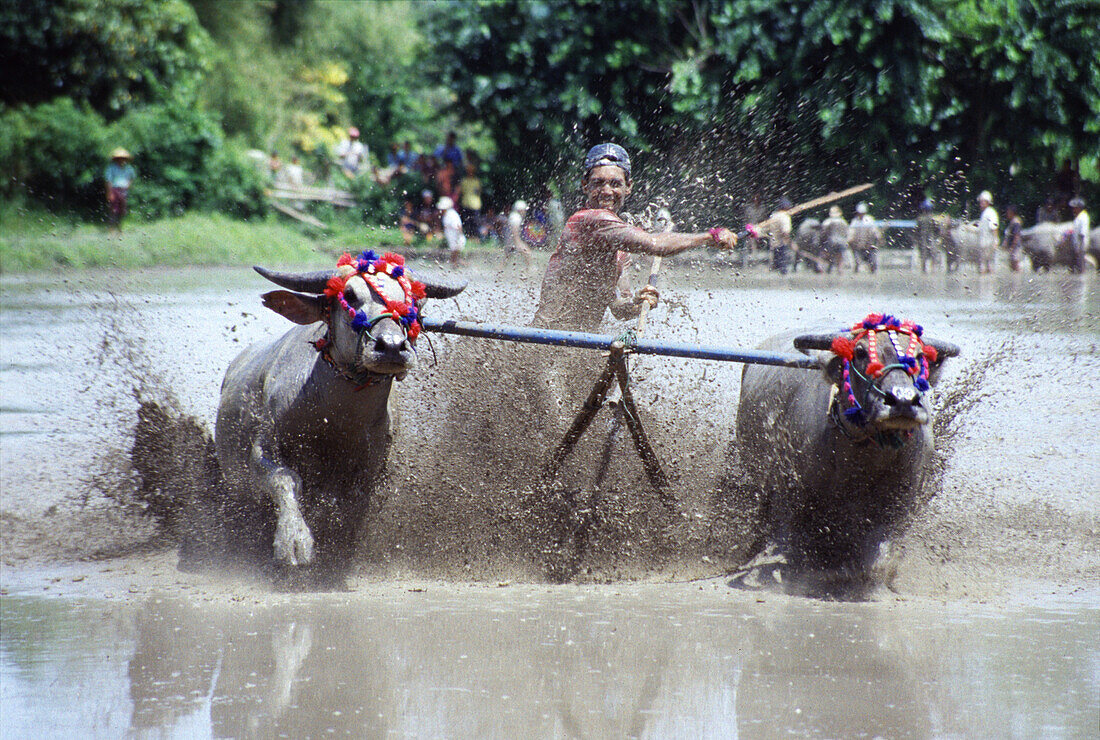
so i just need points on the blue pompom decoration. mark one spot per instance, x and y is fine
(922, 385)
(397, 271)
(360, 321)
(908, 361)
(918, 329)
(368, 256)
(855, 415)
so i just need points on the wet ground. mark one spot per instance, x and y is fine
(990, 629)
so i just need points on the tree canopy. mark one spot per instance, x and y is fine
(715, 98)
(790, 96)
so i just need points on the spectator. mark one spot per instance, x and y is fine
(469, 200)
(1080, 233)
(513, 238)
(988, 228)
(1066, 183)
(536, 226)
(427, 218)
(834, 239)
(352, 154)
(428, 166)
(118, 177)
(393, 159)
(452, 230)
(1048, 212)
(292, 176)
(926, 235)
(493, 225)
(449, 152)
(406, 220)
(779, 236)
(446, 180)
(1013, 243)
(754, 214)
(274, 167)
(407, 157)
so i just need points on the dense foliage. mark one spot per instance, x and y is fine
(111, 54)
(716, 98)
(791, 96)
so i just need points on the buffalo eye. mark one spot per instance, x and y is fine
(861, 353)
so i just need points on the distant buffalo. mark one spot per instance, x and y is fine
(1049, 245)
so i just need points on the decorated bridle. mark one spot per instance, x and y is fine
(406, 312)
(915, 360)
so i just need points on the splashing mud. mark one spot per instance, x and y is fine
(466, 496)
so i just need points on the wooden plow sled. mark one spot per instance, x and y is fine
(616, 375)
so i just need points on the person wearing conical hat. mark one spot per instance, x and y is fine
(117, 178)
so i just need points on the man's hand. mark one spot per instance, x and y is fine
(725, 238)
(647, 294)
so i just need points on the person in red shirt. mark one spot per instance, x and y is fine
(585, 275)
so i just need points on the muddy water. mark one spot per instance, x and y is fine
(992, 631)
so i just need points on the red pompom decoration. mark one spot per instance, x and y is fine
(930, 353)
(843, 348)
(345, 259)
(874, 369)
(335, 286)
(418, 291)
(393, 258)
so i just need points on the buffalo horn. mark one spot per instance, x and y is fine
(437, 286)
(303, 282)
(804, 342)
(943, 349)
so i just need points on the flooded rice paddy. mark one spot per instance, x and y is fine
(450, 629)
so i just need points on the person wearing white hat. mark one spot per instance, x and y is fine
(452, 230)
(988, 231)
(513, 240)
(1079, 234)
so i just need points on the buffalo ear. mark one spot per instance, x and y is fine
(833, 369)
(299, 308)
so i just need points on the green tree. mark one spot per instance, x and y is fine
(110, 54)
(791, 97)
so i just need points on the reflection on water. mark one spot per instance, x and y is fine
(640, 661)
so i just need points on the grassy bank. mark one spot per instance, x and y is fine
(35, 240)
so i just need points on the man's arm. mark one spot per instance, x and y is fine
(616, 235)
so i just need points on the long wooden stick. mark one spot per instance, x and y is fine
(817, 202)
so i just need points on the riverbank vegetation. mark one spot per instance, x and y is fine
(717, 100)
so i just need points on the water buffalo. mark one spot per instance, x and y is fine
(1049, 245)
(837, 458)
(962, 243)
(304, 423)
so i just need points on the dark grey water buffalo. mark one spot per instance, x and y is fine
(837, 458)
(962, 244)
(1049, 245)
(304, 423)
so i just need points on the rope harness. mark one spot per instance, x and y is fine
(914, 361)
(405, 313)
